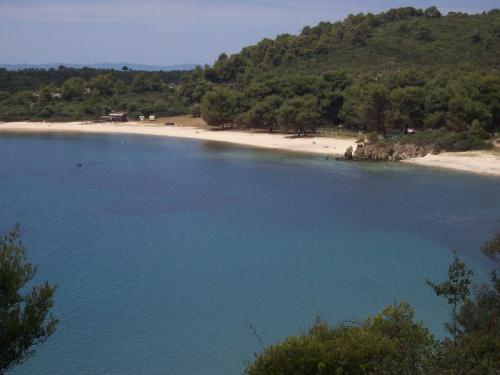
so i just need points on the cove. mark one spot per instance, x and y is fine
(164, 250)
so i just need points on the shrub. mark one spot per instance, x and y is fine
(390, 343)
(372, 137)
(444, 140)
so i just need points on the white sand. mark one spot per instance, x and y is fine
(316, 145)
(482, 162)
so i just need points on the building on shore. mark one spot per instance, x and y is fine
(115, 117)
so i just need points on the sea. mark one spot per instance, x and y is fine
(176, 256)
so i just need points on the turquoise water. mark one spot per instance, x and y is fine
(164, 250)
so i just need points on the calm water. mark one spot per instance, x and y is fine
(163, 250)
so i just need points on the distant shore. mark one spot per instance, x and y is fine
(479, 162)
(316, 145)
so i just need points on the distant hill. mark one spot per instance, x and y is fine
(116, 66)
(368, 43)
(402, 69)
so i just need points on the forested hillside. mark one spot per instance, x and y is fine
(78, 94)
(377, 44)
(404, 68)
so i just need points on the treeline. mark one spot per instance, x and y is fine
(401, 69)
(403, 100)
(392, 342)
(12, 81)
(79, 94)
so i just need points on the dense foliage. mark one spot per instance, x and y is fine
(390, 41)
(401, 69)
(442, 139)
(393, 343)
(80, 94)
(25, 318)
(389, 343)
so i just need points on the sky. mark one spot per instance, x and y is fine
(168, 32)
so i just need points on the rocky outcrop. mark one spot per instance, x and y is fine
(348, 153)
(389, 152)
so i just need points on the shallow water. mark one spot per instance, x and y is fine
(164, 250)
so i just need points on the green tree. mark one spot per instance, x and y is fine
(45, 94)
(374, 107)
(475, 346)
(406, 108)
(102, 85)
(330, 105)
(73, 88)
(491, 249)
(264, 114)
(25, 318)
(350, 112)
(219, 107)
(432, 12)
(155, 82)
(436, 104)
(463, 110)
(141, 83)
(300, 113)
(455, 291)
(390, 343)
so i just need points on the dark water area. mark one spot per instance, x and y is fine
(164, 250)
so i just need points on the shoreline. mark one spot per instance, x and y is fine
(478, 162)
(287, 142)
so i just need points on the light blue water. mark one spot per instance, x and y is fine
(164, 249)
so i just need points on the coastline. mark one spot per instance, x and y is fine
(313, 145)
(478, 162)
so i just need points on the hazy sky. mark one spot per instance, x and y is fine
(166, 32)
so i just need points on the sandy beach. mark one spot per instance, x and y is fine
(315, 145)
(480, 162)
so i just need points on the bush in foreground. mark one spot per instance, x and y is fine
(25, 318)
(393, 343)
